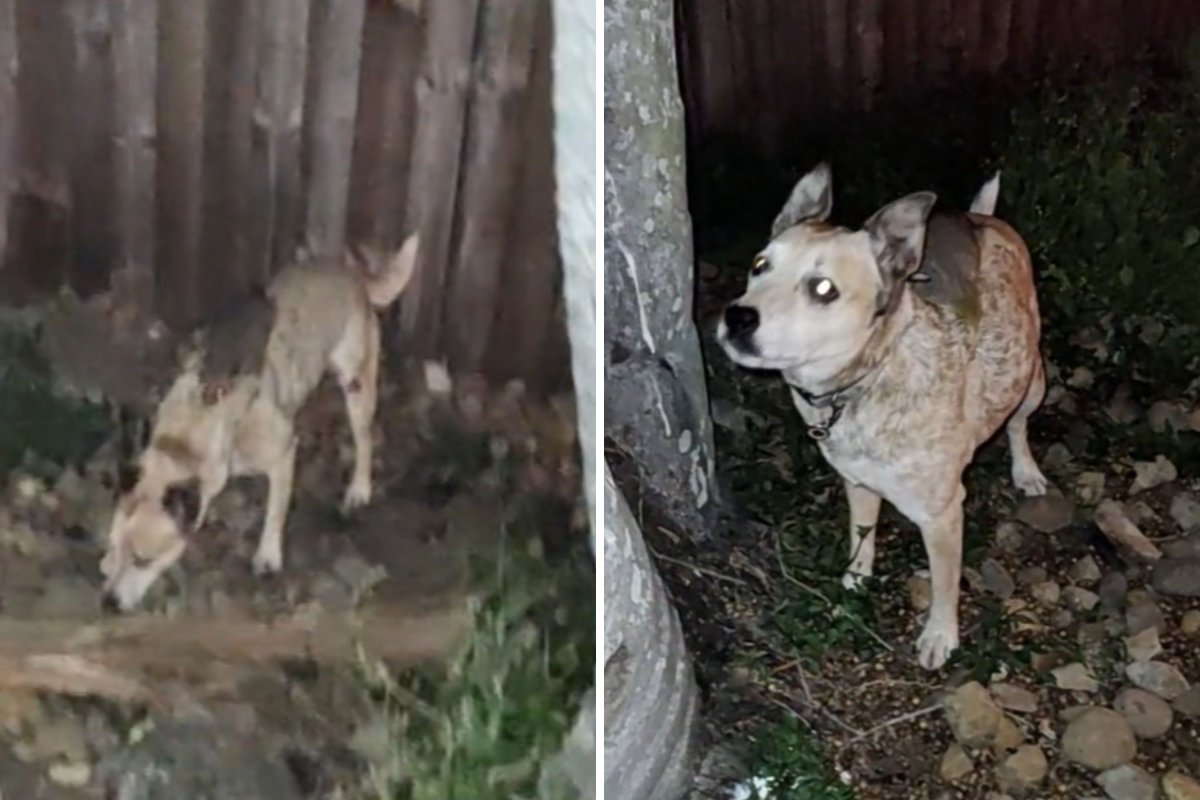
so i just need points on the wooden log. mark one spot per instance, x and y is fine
(9, 63)
(491, 173)
(130, 658)
(336, 60)
(93, 222)
(181, 123)
(273, 222)
(135, 73)
(441, 94)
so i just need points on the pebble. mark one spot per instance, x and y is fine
(1047, 593)
(1099, 739)
(1009, 537)
(1113, 522)
(1158, 677)
(1147, 714)
(1127, 782)
(1188, 703)
(1014, 698)
(1023, 771)
(956, 764)
(1143, 615)
(1149, 474)
(1186, 547)
(1143, 646)
(1190, 622)
(1185, 510)
(996, 579)
(74, 775)
(1177, 786)
(1177, 577)
(973, 716)
(920, 593)
(1113, 588)
(1089, 486)
(1047, 513)
(1008, 737)
(1077, 598)
(1085, 571)
(1075, 677)
(1031, 576)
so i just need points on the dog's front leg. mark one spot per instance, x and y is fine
(864, 515)
(943, 544)
(269, 557)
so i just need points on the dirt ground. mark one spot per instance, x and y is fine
(809, 682)
(452, 470)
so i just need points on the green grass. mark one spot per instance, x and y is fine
(789, 760)
(482, 728)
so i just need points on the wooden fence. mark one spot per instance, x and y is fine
(759, 73)
(181, 150)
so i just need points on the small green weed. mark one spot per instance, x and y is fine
(483, 728)
(788, 762)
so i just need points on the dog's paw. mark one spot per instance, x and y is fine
(854, 581)
(936, 644)
(267, 562)
(1030, 481)
(357, 496)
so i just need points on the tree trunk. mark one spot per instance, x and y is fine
(655, 399)
(656, 403)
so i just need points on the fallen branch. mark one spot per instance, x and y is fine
(128, 658)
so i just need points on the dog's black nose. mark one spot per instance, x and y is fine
(741, 322)
(109, 604)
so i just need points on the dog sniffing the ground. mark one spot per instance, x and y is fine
(906, 346)
(317, 318)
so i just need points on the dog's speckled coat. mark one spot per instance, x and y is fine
(923, 373)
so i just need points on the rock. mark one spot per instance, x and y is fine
(1187, 547)
(1046, 513)
(1089, 487)
(1085, 571)
(1177, 786)
(1047, 593)
(1023, 771)
(358, 574)
(1008, 737)
(1158, 677)
(973, 716)
(1113, 522)
(1072, 713)
(1147, 714)
(1188, 703)
(74, 775)
(19, 709)
(1143, 615)
(996, 579)
(1143, 646)
(1123, 409)
(1075, 677)
(1031, 576)
(1148, 474)
(1044, 662)
(1185, 510)
(956, 764)
(1099, 739)
(1077, 598)
(1190, 622)
(1081, 378)
(1057, 456)
(1177, 577)
(62, 737)
(1113, 587)
(920, 594)
(1127, 782)
(1009, 537)
(1164, 416)
(1014, 698)
(1062, 619)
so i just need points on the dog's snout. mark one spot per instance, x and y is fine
(109, 604)
(741, 322)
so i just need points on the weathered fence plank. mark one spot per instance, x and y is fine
(441, 92)
(8, 114)
(336, 57)
(181, 125)
(135, 74)
(491, 170)
(274, 219)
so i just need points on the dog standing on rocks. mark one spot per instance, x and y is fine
(906, 346)
(231, 412)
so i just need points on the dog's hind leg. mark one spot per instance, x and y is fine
(357, 370)
(269, 556)
(1025, 472)
(864, 515)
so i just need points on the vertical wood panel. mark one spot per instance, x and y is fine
(9, 63)
(336, 60)
(181, 124)
(491, 170)
(836, 24)
(868, 50)
(441, 93)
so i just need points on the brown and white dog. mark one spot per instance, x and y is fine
(906, 345)
(321, 317)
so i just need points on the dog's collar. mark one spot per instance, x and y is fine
(835, 400)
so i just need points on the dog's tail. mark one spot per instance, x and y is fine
(985, 199)
(384, 286)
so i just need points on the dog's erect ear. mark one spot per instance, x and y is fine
(897, 234)
(811, 199)
(182, 501)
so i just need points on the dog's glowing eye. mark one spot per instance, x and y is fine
(759, 266)
(822, 290)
